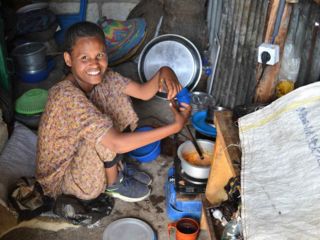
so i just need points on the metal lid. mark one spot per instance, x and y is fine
(173, 51)
(128, 228)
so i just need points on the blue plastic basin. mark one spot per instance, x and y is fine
(148, 152)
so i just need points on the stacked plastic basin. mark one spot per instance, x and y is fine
(148, 152)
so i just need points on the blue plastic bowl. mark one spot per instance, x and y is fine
(147, 148)
(149, 157)
(148, 152)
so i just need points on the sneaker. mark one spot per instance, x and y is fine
(131, 170)
(128, 189)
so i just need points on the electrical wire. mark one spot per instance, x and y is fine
(265, 57)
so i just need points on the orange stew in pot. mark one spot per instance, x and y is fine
(194, 159)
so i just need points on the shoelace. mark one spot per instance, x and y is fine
(126, 181)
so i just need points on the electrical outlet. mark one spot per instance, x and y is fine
(272, 49)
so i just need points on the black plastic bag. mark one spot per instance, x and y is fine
(84, 212)
(28, 200)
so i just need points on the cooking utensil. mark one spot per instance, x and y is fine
(30, 57)
(192, 170)
(185, 98)
(194, 141)
(215, 52)
(200, 101)
(188, 129)
(176, 52)
(210, 113)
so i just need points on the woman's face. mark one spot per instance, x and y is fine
(88, 61)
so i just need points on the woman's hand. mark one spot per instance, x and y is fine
(165, 80)
(182, 115)
(169, 82)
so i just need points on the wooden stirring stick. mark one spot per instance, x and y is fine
(192, 138)
(195, 143)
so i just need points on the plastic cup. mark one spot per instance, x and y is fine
(183, 96)
(185, 229)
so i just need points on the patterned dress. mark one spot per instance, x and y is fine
(70, 156)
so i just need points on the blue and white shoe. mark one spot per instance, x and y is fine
(130, 170)
(128, 189)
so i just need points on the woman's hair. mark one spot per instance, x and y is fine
(81, 29)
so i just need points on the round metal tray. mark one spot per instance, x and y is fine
(128, 228)
(173, 51)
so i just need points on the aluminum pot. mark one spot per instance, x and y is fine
(30, 57)
(198, 172)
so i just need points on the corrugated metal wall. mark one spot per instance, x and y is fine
(236, 28)
(304, 29)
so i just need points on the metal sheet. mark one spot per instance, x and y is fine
(174, 51)
(241, 25)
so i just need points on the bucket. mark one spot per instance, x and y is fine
(30, 57)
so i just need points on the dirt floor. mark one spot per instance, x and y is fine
(153, 210)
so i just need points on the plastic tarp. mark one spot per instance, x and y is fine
(280, 175)
(17, 159)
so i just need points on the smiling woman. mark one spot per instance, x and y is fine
(88, 119)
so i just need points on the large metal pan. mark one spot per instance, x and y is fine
(176, 52)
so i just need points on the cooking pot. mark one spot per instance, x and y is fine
(174, 51)
(195, 171)
(30, 57)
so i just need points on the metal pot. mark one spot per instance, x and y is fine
(173, 51)
(30, 57)
(198, 172)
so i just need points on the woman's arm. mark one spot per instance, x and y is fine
(124, 142)
(164, 79)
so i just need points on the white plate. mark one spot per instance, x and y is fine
(128, 228)
(31, 7)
